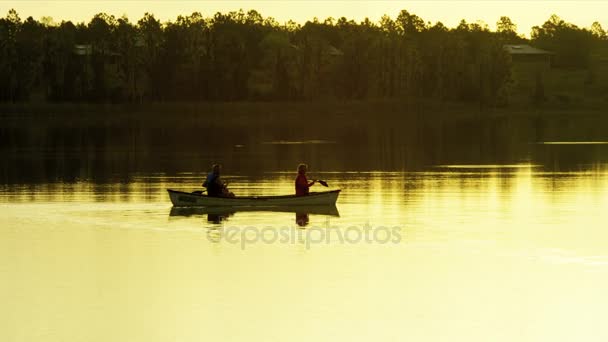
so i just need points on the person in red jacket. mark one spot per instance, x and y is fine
(302, 184)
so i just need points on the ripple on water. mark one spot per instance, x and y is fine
(572, 143)
(488, 166)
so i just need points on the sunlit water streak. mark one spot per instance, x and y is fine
(573, 143)
(500, 254)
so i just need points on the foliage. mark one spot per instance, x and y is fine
(241, 56)
(572, 45)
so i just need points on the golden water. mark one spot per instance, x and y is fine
(491, 254)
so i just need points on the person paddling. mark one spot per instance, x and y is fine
(215, 186)
(302, 184)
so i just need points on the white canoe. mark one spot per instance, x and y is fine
(185, 199)
(326, 210)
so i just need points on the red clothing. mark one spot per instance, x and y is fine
(301, 185)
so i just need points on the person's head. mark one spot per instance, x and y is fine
(302, 168)
(216, 168)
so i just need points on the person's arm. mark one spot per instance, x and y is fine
(206, 182)
(311, 183)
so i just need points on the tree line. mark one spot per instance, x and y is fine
(242, 56)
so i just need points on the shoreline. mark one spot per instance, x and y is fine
(387, 109)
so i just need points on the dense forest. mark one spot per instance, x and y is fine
(242, 56)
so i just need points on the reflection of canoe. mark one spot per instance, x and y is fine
(328, 210)
(185, 199)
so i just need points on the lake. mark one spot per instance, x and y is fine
(451, 231)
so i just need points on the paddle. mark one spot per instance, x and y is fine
(198, 192)
(322, 182)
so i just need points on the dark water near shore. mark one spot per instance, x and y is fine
(115, 148)
(445, 229)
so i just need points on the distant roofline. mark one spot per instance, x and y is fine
(525, 49)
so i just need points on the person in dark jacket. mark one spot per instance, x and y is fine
(214, 185)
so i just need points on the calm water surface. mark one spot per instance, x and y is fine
(495, 253)
(491, 230)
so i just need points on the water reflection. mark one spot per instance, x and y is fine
(217, 215)
(490, 166)
(302, 219)
(101, 152)
(509, 224)
(527, 240)
(573, 143)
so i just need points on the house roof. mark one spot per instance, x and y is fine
(329, 50)
(87, 50)
(333, 51)
(83, 49)
(522, 49)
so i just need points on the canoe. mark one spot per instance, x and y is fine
(185, 199)
(326, 210)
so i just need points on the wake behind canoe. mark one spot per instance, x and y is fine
(185, 199)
